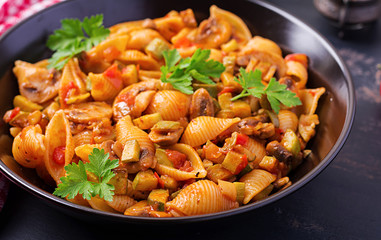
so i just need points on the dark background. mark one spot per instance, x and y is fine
(343, 202)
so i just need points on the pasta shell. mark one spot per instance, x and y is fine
(121, 202)
(125, 131)
(141, 38)
(201, 197)
(287, 120)
(265, 50)
(99, 52)
(84, 137)
(100, 204)
(240, 29)
(204, 128)
(195, 160)
(72, 82)
(84, 151)
(58, 134)
(172, 105)
(256, 181)
(257, 148)
(28, 147)
(102, 89)
(78, 199)
(298, 71)
(137, 57)
(310, 98)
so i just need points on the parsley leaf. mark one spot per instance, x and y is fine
(182, 71)
(75, 182)
(275, 92)
(74, 37)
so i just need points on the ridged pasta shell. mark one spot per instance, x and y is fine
(172, 105)
(84, 137)
(297, 70)
(98, 52)
(287, 120)
(265, 50)
(84, 151)
(141, 38)
(101, 205)
(195, 160)
(78, 199)
(71, 75)
(58, 134)
(310, 98)
(137, 57)
(201, 197)
(256, 181)
(239, 26)
(204, 128)
(125, 131)
(121, 202)
(102, 89)
(28, 147)
(257, 148)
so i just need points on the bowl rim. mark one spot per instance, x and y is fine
(349, 119)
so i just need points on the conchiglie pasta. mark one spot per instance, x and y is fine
(310, 98)
(108, 49)
(85, 150)
(256, 181)
(84, 137)
(121, 202)
(101, 205)
(195, 160)
(287, 120)
(126, 131)
(58, 135)
(298, 72)
(172, 105)
(28, 147)
(204, 128)
(137, 57)
(102, 88)
(201, 197)
(257, 148)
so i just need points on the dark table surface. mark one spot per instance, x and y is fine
(343, 202)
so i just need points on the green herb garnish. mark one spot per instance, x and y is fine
(74, 37)
(182, 71)
(76, 182)
(276, 93)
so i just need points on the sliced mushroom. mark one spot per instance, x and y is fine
(88, 112)
(166, 133)
(36, 83)
(277, 150)
(248, 126)
(201, 104)
(213, 32)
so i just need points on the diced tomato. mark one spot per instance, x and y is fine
(226, 90)
(67, 89)
(177, 158)
(59, 155)
(242, 139)
(127, 98)
(160, 181)
(187, 167)
(183, 43)
(298, 57)
(111, 53)
(11, 114)
(114, 75)
(242, 165)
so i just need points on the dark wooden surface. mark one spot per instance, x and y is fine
(343, 202)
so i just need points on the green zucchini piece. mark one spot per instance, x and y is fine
(264, 193)
(212, 89)
(131, 151)
(240, 187)
(291, 142)
(156, 48)
(145, 181)
(162, 157)
(244, 171)
(147, 121)
(234, 162)
(120, 181)
(157, 199)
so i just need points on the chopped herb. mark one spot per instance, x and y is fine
(74, 37)
(76, 182)
(276, 93)
(182, 71)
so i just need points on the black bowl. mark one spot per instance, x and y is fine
(27, 40)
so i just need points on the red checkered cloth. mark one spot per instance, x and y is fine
(12, 12)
